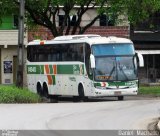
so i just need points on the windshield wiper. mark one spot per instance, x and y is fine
(113, 69)
(123, 71)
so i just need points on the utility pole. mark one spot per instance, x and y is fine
(20, 63)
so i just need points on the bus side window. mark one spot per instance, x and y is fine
(69, 52)
(31, 55)
(29, 52)
(42, 57)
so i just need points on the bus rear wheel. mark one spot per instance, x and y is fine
(120, 98)
(39, 89)
(45, 91)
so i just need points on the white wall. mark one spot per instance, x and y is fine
(7, 55)
(91, 14)
(9, 45)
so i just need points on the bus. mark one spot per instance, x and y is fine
(83, 66)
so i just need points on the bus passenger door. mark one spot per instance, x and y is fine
(67, 85)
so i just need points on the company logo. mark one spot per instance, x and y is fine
(117, 86)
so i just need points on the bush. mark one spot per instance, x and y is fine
(12, 94)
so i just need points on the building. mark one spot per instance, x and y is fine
(8, 49)
(105, 26)
(146, 37)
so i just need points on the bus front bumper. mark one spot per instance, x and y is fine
(115, 92)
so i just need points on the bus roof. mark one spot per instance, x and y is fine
(90, 39)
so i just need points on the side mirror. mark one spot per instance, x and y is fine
(140, 60)
(92, 60)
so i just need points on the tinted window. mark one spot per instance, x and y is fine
(113, 49)
(61, 20)
(15, 21)
(46, 53)
(103, 20)
(73, 20)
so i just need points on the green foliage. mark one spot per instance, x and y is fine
(12, 94)
(140, 10)
(150, 90)
(43, 12)
(7, 7)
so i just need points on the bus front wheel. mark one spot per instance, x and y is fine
(81, 93)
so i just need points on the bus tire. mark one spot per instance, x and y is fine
(81, 93)
(120, 98)
(45, 90)
(39, 89)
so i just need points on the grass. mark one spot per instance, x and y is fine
(150, 90)
(12, 94)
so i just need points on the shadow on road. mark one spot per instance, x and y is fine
(71, 99)
(102, 99)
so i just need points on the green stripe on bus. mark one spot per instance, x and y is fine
(42, 69)
(53, 80)
(64, 69)
(97, 84)
(128, 83)
(61, 69)
(116, 83)
(70, 69)
(51, 69)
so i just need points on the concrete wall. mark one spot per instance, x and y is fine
(7, 55)
(86, 18)
(90, 15)
(8, 46)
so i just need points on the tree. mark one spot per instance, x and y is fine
(137, 10)
(7, 7)
(44, 12)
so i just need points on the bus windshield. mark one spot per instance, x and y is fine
(115, 62)
(113, 49)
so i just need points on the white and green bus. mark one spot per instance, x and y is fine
(83, 66)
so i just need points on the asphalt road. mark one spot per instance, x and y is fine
(99, 115)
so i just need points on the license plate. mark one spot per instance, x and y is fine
(117, 93)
